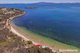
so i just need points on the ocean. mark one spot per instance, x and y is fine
(56, 21)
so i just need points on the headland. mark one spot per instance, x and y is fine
(13, 42)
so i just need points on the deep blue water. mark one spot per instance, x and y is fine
(57, 21)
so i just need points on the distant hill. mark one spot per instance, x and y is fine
(55, 4)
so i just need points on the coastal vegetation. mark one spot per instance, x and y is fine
(10, 42)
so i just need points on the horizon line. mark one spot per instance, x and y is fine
(35, 2)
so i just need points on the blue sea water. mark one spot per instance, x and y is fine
(56, 21)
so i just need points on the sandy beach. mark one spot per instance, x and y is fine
(15, 29)
(19, 34)
(36, 38)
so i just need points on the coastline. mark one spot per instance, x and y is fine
(36, 38)
(10, 40)
(40, 39)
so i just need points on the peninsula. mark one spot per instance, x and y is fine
(13, 42)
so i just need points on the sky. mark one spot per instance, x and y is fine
(33, 1)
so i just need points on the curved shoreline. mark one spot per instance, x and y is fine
(10, 40)
(16, 31)
(54, 48)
